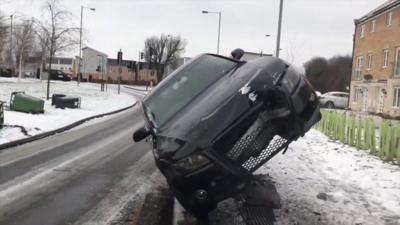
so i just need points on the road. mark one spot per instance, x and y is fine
(83, 176)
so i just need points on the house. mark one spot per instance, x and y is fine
(62, 63)
(127, 68)
(94, 65)
(147, 72)
(375, 79)
(34, 64)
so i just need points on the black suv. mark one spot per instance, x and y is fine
(215, 120)
(59, 75)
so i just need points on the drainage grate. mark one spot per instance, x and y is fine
(256, 215)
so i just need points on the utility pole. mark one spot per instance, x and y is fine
(219, 31)
(11, 43)
(278, 38)
(78, 74)
(219, 25)
(80, 45)
(119, 59)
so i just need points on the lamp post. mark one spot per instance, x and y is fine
(219, 26)
(80, 44)
(12, 16)
(278, 38)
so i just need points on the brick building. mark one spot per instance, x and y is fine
(375, 80)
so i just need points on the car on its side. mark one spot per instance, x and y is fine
(215, 120)
(334, 99)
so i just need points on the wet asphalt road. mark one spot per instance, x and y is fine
(83, 176)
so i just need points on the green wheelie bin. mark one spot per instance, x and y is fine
(25, 103)
(1, 114)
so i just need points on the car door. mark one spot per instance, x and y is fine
(345, 100)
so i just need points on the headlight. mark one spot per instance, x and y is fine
(191, 163)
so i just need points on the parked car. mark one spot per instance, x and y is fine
(4, 72)
(334, 100)
(59, 75)
(216, 120)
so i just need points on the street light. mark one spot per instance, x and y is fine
(219, 25)
(278, 38)
(12, 16)
(80, 44)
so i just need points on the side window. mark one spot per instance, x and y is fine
(396, 97)
(385, 58)
(373, 25)
(389, 18)
(362, 31)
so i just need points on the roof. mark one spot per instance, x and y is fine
(127, 63)
(92, 49)
(390, 4)
(63, 60)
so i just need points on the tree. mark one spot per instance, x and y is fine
(329, 74)
(24, 43)
(162, 51)
(55, 34)
(4, 34)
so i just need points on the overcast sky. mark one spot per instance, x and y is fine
(310, 27)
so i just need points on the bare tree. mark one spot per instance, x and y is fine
(4, 29)
(24, 43)
(329, 74)
(55, 33)
(162, 51)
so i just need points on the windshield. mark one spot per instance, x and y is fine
(185, 85)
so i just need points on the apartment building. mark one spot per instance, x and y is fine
(375, 81)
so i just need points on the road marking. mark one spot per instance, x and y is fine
(42, 178)
(134, 184)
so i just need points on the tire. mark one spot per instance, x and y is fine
(330, 105)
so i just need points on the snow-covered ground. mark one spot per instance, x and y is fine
(322, 181)
(94, 102)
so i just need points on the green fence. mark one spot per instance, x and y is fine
(380, 138)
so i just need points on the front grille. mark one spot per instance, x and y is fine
(256, 147)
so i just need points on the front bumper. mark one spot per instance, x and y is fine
(200, 190)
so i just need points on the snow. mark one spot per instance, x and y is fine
(245, 89)
(353, 187)
(93, 102)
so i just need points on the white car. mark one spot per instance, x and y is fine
(334, 100)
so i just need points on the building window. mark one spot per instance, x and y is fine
(358, 68)
(373, 24)
(362, 31)
(357, 94)
(389, 18)
(385, 58)
(397, 65)
(369, 64)
(396, 97)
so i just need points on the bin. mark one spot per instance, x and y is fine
(25, 103)
(68, 102)
(1, 114)
(54, 98)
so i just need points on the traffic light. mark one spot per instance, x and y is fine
(142, 55)
(98, 68)
(119, 57)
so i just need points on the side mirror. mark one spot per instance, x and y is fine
(237, 53)
(140, 134)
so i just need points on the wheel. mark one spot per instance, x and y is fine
(330, 105)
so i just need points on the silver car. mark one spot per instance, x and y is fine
(334, 100)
